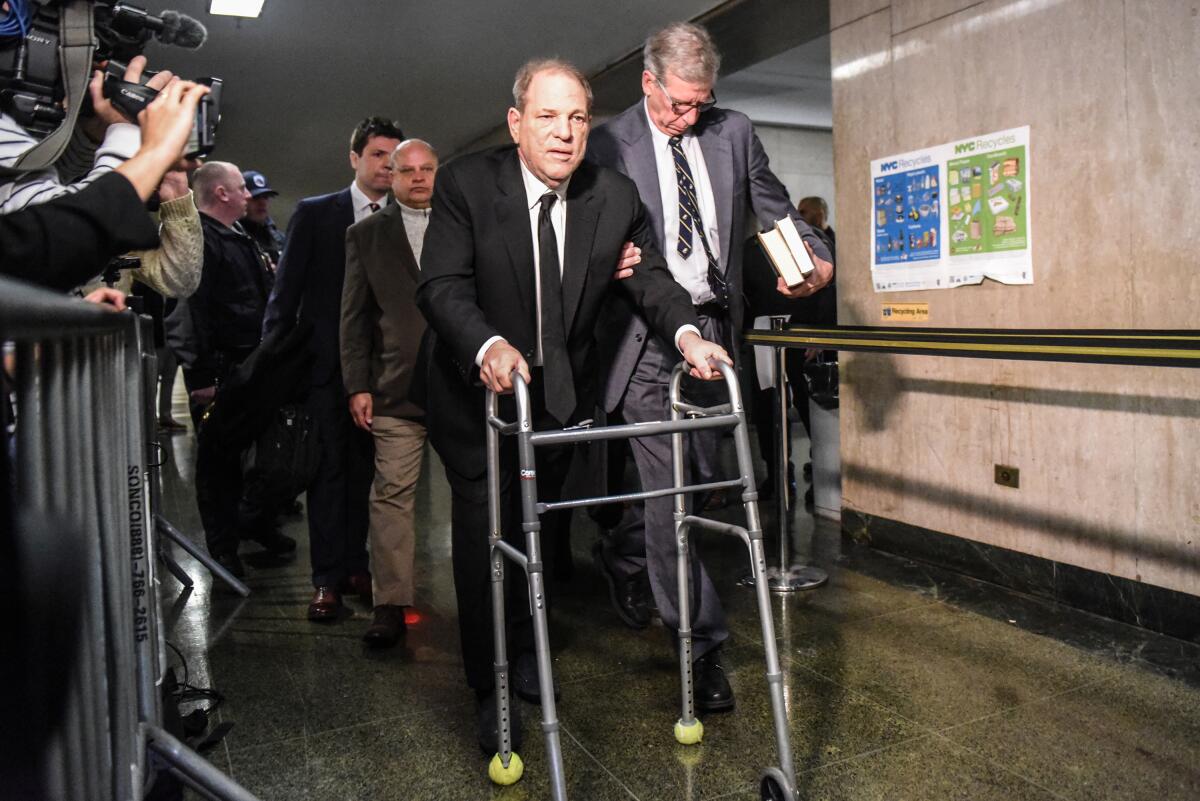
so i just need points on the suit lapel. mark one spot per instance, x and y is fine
(718, 158)
(345, 209)
(583, 209)
(513, 215)
(396, 241)
(641, 165)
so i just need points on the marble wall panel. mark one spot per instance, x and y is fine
(1106, 453)
(843, 12)
(909, 14)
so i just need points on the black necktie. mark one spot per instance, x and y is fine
(689, 220)
(374, 207)
(559, 386)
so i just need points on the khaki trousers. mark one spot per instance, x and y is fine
(399, 447)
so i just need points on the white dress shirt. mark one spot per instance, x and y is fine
(534, 189)
(690, 273)
(362, 203)
(416, 221)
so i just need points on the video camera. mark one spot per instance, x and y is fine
(32, 88)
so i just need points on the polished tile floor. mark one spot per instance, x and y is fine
(901, 682)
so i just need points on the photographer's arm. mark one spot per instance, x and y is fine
(98, 146)
(173, 268)
(64, 243)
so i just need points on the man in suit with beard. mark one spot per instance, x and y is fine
(517, 262)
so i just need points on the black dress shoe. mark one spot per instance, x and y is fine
(628, 595)
(387, 627)
(488, 732)
(273, 541)
(713, 693)
(231, 562)
(525, 679)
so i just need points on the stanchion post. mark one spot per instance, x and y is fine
(788, 577)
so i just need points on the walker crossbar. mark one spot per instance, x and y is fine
(638, 496)
(631, 430)
(506, 767)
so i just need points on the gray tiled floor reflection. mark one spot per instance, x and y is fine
(901, 683)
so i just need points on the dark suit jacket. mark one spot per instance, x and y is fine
(308, 281)
(381, 325)
(741, 180)
(478, 282)
(68, 241)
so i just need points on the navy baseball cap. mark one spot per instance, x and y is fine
(256, 182)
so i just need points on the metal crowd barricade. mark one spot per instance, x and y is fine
(778, 782)
(84, 384)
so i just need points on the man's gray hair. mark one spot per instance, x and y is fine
(531, 68)
(686, 50)
(410, 143)
(206, 180)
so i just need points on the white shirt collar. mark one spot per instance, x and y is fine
(360, 200)
(534, 189)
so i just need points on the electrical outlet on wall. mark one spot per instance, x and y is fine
(1007, 476)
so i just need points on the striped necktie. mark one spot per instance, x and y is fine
(689, 221)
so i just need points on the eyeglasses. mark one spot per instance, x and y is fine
(679, 109)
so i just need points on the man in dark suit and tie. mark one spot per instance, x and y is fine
(308, 285)
(518, 260)
(698, 169)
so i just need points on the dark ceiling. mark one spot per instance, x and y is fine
(299, 78)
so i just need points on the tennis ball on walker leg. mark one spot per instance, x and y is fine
(505, 776)
(687, 734)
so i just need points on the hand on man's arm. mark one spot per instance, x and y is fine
(631, 255)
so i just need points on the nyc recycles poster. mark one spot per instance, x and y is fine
(953, 214)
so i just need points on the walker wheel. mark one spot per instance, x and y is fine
(774, 786)
(506, 776)
(689, 734)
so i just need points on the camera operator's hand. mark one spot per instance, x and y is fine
(166, 123)
(107, 297)
(106, 113)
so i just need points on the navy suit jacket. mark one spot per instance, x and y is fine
(308, 282)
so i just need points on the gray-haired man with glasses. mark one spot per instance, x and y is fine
(698, 169)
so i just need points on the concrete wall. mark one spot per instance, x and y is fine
(1108, 455)
(803, 159)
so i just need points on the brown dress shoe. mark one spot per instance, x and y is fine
(359, 584)
(387, 627)
(326, 604)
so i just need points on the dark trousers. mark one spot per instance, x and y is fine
(470, 552)
(644, 542)
(339, 496)
(227, 515)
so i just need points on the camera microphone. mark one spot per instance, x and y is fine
(181, 30)
(172, 28)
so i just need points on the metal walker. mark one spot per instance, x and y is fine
(776, 783)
